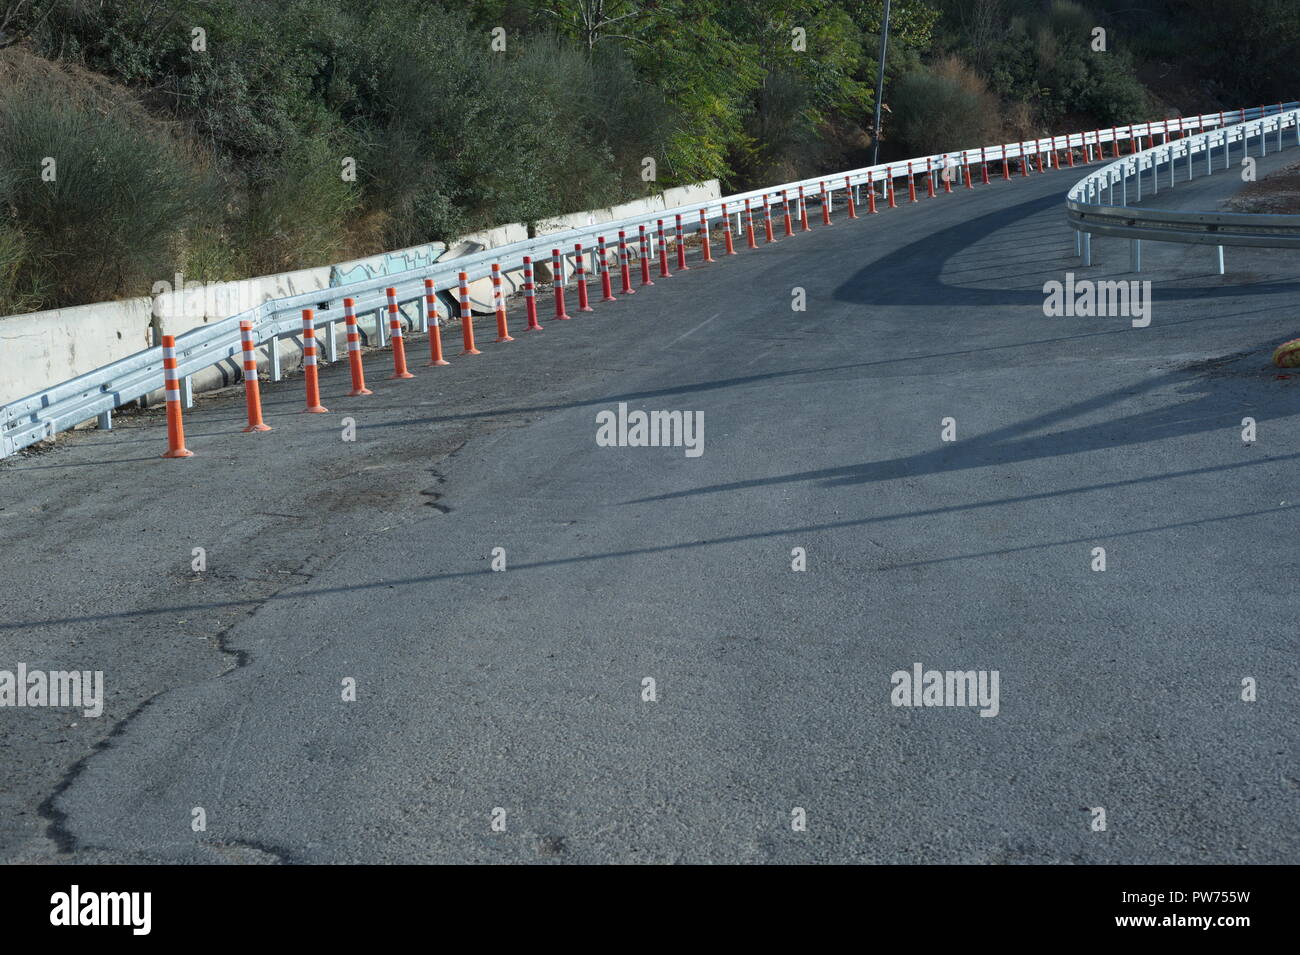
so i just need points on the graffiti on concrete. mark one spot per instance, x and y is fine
(390, 263)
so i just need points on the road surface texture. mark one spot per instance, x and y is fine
(517, 696)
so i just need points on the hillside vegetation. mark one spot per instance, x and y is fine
(225, 138)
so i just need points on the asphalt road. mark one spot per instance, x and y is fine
(522, 690)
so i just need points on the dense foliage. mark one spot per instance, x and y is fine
(462, 114)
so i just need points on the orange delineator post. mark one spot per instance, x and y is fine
(309, 370)
(768, 234)
(871, 195)
(826, 204)
(704, 236)
(803, 213)
(467, 315)
(252, 394)
(911, 183)
(1006, 165)
(929, 180)
(354, 350)
(644, 256)
(435, 325)
(580, 278)
(624, 266)
(557, 283)
(749, 227)
(785, 201)
(848, 194)
(727, 239)
(602, 267)
(530, 297)
(499, 305)
(663, 251)
(175, 423)
(984, 168)
(395, 333)
(681, 246)
(893, 202)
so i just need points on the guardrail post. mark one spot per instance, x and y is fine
(381, 336)
(331, 337)
(1135, 254)
(273, 352)
(1218, 249)
(187, 390)
(1087, 248)
(105, 420)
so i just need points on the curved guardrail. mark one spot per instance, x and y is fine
(1098, 204)
(96, 393)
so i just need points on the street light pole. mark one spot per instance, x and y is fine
(880, 87)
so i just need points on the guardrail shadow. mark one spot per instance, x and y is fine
(1018, 443)
(914, 274)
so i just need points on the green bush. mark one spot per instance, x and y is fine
(943, 109)
(297, 213)
(101, 204)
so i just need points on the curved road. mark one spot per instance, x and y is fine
(522, 690)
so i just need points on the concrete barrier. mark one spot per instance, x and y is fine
(44, 348)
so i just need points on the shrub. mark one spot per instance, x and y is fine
(296, 214)
(944, 108)
(111, 218)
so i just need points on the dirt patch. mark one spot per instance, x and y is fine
(1278, 193)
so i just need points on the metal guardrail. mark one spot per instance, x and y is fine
(1089, 214)
(95, 394)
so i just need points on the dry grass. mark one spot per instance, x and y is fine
(1277, 193)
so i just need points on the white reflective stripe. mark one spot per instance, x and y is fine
(354, 345)
(528, 291)
(250, 374)
(169, 351)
